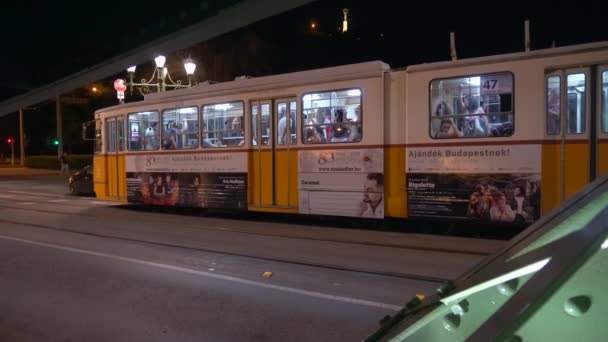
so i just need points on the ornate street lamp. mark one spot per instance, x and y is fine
(161, 79)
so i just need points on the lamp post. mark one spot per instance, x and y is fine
(12, 142)
(161, 79)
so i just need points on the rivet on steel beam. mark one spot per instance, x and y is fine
(577, 306)
(460, 308)
(509, 287)
(451, 322)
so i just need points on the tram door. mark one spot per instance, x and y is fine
(115, 139)
(573, 110)
(273, 126)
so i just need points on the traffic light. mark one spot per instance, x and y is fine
(9, 140)
(55, 142)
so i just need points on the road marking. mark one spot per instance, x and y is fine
(6, 196)
(32, 193)
(58, 200)
(211, 275)
(27, 203)
(100, 202)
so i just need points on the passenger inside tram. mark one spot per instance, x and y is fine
(339, 133)
(327, 121)
(282, 128)
(314, 135)
(174, 131)
(447, 129)
(355, 133)
(553, 109)
(443, 109)
(150, 137)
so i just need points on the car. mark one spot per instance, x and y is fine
(81, 183)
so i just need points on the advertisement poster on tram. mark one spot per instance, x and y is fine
(344, 182)
(217, 180)
(489, 183)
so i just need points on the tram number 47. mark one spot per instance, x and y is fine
(490, 84)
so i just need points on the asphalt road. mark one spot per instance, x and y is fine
(79, 269)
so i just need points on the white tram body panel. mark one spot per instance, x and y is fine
(427, 141)
(446, 173)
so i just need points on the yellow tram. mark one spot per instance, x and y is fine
(474, 139)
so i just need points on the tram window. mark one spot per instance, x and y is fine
(254, 125)
(265, 125)
(553, 105)
(472, 106)
(605, 102)
(98, 141)
(121, 134)
(576, 103)
(223, 124)
(282, 122)
(332, 117)
(180, 128)
(292, 123)
(143, 131)
(111, 135)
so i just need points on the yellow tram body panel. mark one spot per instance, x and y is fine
(395, 187)
(110, 177)
(287, 176)
(576, 167)
(265, 194)
(551, 178)
(99, 175)
(569, 178)
(602, 152)
(258, 180)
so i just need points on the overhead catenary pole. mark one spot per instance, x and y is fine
(21, 139)
(59, 133)
(453, 46)
(527, 35)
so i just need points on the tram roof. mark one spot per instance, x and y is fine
(316, 76)
(541, 53)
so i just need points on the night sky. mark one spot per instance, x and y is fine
(45, 41)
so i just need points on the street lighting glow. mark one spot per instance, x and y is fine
(190, 67)
(345, 21)
(94, 89)
(160, 80)
(160, 61)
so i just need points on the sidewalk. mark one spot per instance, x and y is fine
(25, 171)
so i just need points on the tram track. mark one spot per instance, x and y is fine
(141, 218)
(329, 266)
